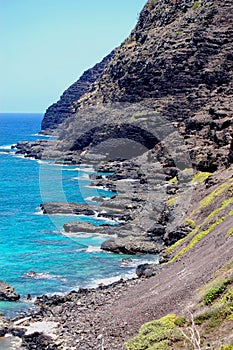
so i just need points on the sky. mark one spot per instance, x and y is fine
(46, 45)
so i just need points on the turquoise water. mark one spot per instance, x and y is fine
(30, 241)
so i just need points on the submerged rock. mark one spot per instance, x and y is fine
(7, 292)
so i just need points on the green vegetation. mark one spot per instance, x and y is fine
(230, 232)
(216, 291)
(215, 317)
(171, 201)
(226, 186)
(224, 204)
(211, 220)
(213, 313)
(196, 5)
(226, 347)
(173, 247)
(174, 180)
(190, 222)
(227, 297)
(196, 239)
(200, 177)
(158, 334)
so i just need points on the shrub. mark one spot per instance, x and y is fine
(216, 291)
(196, 5)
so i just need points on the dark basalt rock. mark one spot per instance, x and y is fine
(59, 111)
(148, 270)
(52, 208)
(87, 227)
(7, 292)
(38, 341)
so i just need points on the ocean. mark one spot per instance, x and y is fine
(30, 241)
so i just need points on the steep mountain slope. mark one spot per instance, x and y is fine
(178, 62)
(159, 118)
(166, 89)
(59, 111)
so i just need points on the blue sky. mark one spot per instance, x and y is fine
(45, 45)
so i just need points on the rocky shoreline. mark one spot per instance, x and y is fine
(156, 119)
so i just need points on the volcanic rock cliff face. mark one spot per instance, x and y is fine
(161, 109)
(159, 120)
(178, 62)
(59, 111)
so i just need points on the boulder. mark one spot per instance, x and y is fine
(7, 293)
(147, 270)
(67, 208)
(132, 245)
(4, 326)
(76, 226)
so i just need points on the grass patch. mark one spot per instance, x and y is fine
(174, 180)
(170, 202)
(226, 186)
(230, 232)
(200, 177)
(216, 291)
(196, 239)
(190, 222)
(159, 334)
(215, 317)
(173, 247)
(196, 5)
(224, 204)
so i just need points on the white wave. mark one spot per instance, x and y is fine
(6, 152)
(39, 212)
(99, 188)
(51, 163)
(41, 275)
(109, 280)
(6, 147)
(23, 157)
(84, 169)
(94, 235)
(108, 220)
(93, 249)
(39, 161)
(133, 263)
(82, 177)
(43, 135)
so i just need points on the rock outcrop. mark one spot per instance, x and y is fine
(59, 111)
(160, 111)
(7, 292)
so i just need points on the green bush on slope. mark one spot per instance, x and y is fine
(157, 335)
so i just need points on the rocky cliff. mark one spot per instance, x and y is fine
(178, 62)
(59, 111)
(159, 120)
(160, 111)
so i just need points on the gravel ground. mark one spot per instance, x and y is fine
(104, 318)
